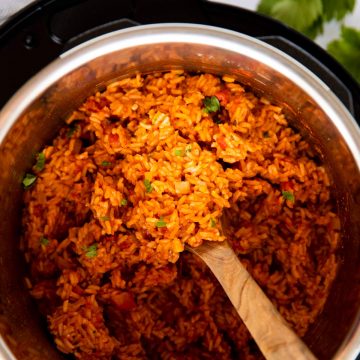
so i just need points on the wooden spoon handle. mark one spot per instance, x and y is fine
(270, 331)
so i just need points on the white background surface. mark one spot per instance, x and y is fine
(331, 30)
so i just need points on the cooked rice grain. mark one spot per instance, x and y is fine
(142, 169)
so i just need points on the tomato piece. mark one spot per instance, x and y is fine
(222, 143)
(287, 186)
(124, 301)
(223, 96)
(113, 138)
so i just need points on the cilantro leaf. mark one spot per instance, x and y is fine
(161, 223)
(148, 186)
(346, 50)
(91, 251)
(44, 241)
(72, 128)
(104, 218)
(212, 222)
(337, 9)
(28, 180)
(40, 162)
(179, 152)
(105, 163)
(211, 104)
(288, 195)
(123, 202)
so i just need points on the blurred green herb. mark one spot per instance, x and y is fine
(288, 195)
(44, 241)
(161, 223)
(91, 251)
(309, 16)
(71, 131)
(179, 152)
(40, 161)
(105, 163)
(28, 180)
(148, 186)
(211, 104)
(306, 16)
(346, 50)
(123, 202)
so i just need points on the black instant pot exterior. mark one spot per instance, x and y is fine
(44, 30)
(47, 28)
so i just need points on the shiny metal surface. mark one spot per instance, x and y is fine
(37, 110)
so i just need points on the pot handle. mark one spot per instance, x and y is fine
(314, 65)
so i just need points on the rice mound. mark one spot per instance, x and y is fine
(154, 163)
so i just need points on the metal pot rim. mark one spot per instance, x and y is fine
(199, 34)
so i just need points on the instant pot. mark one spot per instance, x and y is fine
(318, 95)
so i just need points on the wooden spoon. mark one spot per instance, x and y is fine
(270, 331)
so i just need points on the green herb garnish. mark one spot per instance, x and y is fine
(179, 152)
(40, 162)
(123, 202)
(212, 222)
(211, 104)
(288, 195)
(71, 131)
(105, 218)
(106, 163)
(28, 180)
(161, 223)
(91, 251)
(148, 186)
(44, 241)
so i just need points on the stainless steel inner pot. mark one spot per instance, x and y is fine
(34, 114)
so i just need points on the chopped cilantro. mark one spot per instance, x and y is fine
(71, 131)
(44, 241)
(266, 134)
(123, 202)
(91, 251)
(211, 104)
(179, 152)
(161, 223)
(40, 162)
(212, 222)
(106, 163)
(288, 195)
(148, 186)
(105, 218)
(28, 180)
